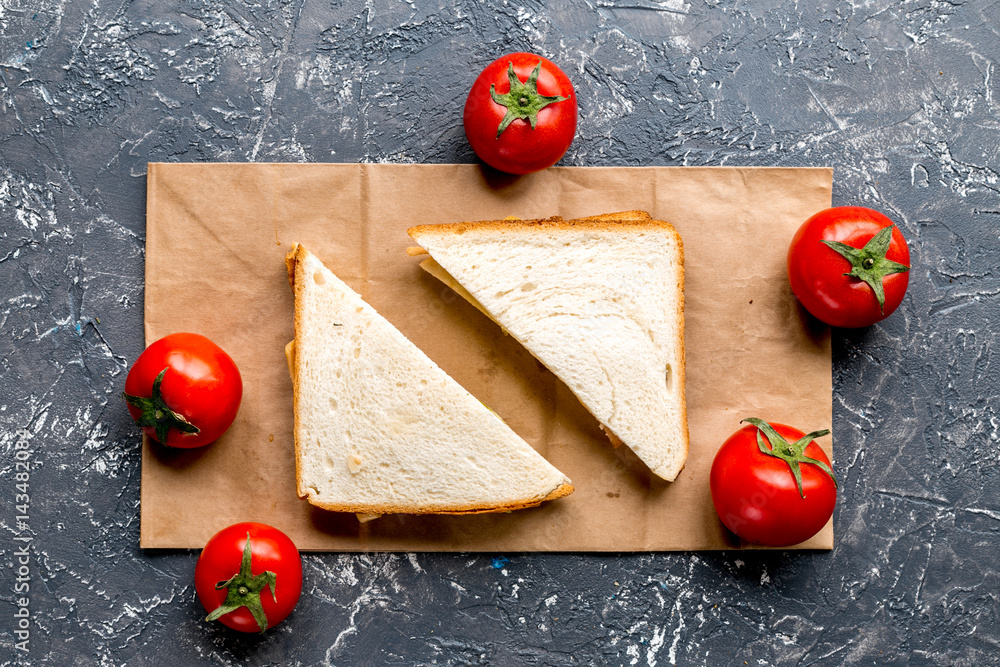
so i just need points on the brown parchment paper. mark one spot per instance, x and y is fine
(216, 238)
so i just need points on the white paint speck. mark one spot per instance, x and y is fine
(672, 653)
(655, 644)
(413, 562)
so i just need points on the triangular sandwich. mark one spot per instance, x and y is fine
(599, 301)
(380, 428)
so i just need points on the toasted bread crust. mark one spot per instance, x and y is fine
(611, 222)
(607, 221)
(559, 492)
(292, 261)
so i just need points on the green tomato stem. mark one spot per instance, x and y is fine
(244, 590)
(155, 413)
(523, 101)
(869, 263)
(771, 443)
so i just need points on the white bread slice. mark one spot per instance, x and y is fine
(599, 301)
(380, 428)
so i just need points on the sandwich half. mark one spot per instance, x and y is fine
(599, 301)
(380, 428)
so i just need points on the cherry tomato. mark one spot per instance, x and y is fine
(757, 495)
(249, 577)
(846, 269)
(184, 390)
(520, 116)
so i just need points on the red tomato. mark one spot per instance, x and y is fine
(527, 129)
(847, 291)
(249, 589)
(184, 390)
(757, 496)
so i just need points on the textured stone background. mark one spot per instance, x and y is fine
(899, 97)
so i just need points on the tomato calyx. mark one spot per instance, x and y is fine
(869, 263)
(244, 590)
(790, 453)
(155, 413)
(523, 101)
